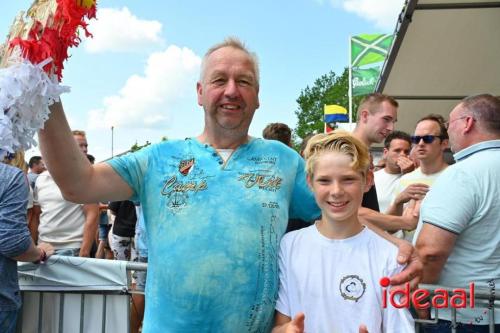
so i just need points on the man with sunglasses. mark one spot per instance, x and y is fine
(430, 140)
(458, 235)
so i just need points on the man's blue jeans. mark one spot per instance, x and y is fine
(8, 321)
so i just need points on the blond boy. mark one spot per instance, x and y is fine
(330, 271)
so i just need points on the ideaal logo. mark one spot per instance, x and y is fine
(419, 298)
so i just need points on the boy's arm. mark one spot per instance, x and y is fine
(77, 179)
(285, 324)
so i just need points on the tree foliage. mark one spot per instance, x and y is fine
(136, 146)
(328, 89)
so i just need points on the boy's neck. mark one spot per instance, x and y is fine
(339, 230)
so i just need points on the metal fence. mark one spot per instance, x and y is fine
(485, 298)
(94, 307)
(56, 311)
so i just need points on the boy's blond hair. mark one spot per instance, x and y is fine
(338, 141)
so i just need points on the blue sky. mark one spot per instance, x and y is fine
(139, 71)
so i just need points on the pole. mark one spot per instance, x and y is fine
(350, 82)
(112, 138)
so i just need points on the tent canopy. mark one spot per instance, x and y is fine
(443, 51)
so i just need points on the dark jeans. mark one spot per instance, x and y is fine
(8, 321)
(444, 326)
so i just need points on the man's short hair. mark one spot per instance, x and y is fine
(234, 43)
(34, 160)
(373, 101)
(278, 131)
(397, 135)
(443, 133)
(79, 132)
(305, 140)
(486, 110)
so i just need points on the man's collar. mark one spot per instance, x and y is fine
(484, 145)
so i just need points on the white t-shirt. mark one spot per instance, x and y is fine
(336, 282)
(61, 221)
(416, 176)
(385, 184)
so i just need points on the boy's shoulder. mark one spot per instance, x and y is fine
(380, 245)
(298, 235)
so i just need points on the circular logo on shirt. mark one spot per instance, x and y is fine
(352, 287)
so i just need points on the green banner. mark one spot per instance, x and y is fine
(364, 80)
(369, 48)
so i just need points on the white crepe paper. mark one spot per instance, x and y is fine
(26, 92)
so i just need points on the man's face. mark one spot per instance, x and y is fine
(455, 124)
(429, 152)
(39, 167)
(381, 123)
(397, 148)
(228, 91)
(81, 141)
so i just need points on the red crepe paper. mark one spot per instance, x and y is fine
(53, 41)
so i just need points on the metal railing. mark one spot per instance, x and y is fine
(61, 302)
(484, 298)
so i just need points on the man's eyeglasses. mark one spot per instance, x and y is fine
(447, 123)
(427, 138)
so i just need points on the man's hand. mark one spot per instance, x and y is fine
(411, 213)
(407, 254)
(49, 249)
(363, 329)
(415, 191)
(296, 325)
(405, 164)
(285, 325)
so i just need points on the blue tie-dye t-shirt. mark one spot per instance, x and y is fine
(214, 229)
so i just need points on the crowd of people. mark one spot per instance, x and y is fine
(243, 234)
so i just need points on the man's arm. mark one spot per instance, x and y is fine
(415, 192)
(77, 179)
(406, 255)
(91, 212)
(434, 246)
(34, 253)
(386, 222)
(34, 222)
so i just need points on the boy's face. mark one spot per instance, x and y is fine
(338, 188)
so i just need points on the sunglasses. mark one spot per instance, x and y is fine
(427, 138)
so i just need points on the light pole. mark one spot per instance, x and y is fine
(112, 130)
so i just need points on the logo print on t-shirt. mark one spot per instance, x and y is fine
(185, 166)
(352, 287)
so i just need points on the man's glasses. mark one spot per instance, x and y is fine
(447, 123)
(427, 138)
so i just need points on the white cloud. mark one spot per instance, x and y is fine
(149, 100)
(120, 31)
(383, 13)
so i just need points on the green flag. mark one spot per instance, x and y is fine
(364, 80)
(368, 49)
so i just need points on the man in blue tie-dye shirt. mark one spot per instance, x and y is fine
(215, 206)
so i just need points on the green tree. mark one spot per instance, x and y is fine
(328, 89)
(136, 147)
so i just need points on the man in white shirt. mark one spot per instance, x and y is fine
(431, 140)
(397, 147)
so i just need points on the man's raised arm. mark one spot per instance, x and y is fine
(77, 179)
